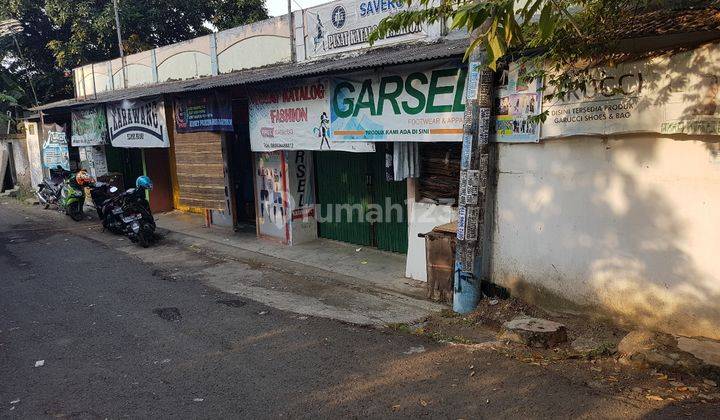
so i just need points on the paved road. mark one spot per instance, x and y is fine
(100, 320)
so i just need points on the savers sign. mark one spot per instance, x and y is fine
(399, 106)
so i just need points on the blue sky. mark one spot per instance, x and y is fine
(279, 7)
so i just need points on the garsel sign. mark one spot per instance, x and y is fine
(346, 25)
(668, 94)
(399, 105)
(295, 117)
(139, 123)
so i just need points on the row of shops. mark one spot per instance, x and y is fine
(606, 205)
(348, 157)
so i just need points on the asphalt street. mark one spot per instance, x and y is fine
(119, 340)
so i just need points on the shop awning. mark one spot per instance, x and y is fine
(364, 59)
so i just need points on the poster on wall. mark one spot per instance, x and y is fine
(211, 112)
(301, 194)
(346, 25)
(270, 184)
(517, 100)
(295, 116)
(55, 149)
(137, 123)
(399, 105)
(92, 158)
(89, 127)
(668, 94)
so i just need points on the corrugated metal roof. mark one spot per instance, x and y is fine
(364, 59)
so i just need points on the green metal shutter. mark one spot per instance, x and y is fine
(342, 180)
(391, 231)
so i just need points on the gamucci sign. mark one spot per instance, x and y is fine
(346, 25)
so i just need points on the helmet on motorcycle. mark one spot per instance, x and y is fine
(82, 178)
(144, 182)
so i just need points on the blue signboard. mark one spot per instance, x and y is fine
(203, 113)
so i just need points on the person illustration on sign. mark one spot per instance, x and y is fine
(323, 132)
(319, 39)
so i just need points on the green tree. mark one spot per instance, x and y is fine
(59, 35)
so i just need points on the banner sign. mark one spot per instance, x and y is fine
(55, 150)
(402, 105)
(517, 101)
(89, 127)
(668, 94)
(346, 25)
(137, 123)
(295, 116)
(203, 113)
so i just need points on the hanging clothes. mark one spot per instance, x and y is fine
(406, 160)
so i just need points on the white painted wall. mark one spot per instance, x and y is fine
(423, 217)
(32, 136)
(628, 225)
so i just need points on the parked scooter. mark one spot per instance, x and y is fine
(102, 194)
(72, 195)
(129, 213)
(48, 192)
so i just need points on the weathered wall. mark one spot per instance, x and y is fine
(254, 45)
(627, 225)
(33, 148)
(423, 217)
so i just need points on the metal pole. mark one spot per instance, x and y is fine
(120, 45)
(474, 176)
(27, 70)
(291, 22)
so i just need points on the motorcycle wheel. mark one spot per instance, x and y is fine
(143, 239)
(75, 211)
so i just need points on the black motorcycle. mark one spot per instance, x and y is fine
(129, 213)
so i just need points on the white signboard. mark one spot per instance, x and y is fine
(55, 150)
(138, 123)
(295, 117)
(346, 25)
(669, 94)
(400, 105)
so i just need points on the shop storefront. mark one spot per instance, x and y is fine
(360, 133)
(138, 133)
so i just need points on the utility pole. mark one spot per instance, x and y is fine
(291, 22)
(474, 179)
(120, 45)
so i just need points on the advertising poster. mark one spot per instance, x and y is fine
(270, 183)
(92, 158)
(346, 25)
(295, 117)
(668, 94)
(137, 123)
(517, 101)
(89, 127)
(399, 105)
(55, 150)
(203, 113)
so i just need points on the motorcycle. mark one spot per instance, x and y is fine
(48, 192)
(129, 213)
(102, 194)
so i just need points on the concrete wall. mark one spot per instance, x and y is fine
(33, 147)
(253, 45)
(423, 217)
(16, 143)
(628, 226)
(184, 60)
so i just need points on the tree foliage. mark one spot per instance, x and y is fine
(59, 35)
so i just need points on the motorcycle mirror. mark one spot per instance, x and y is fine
(113, 189)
